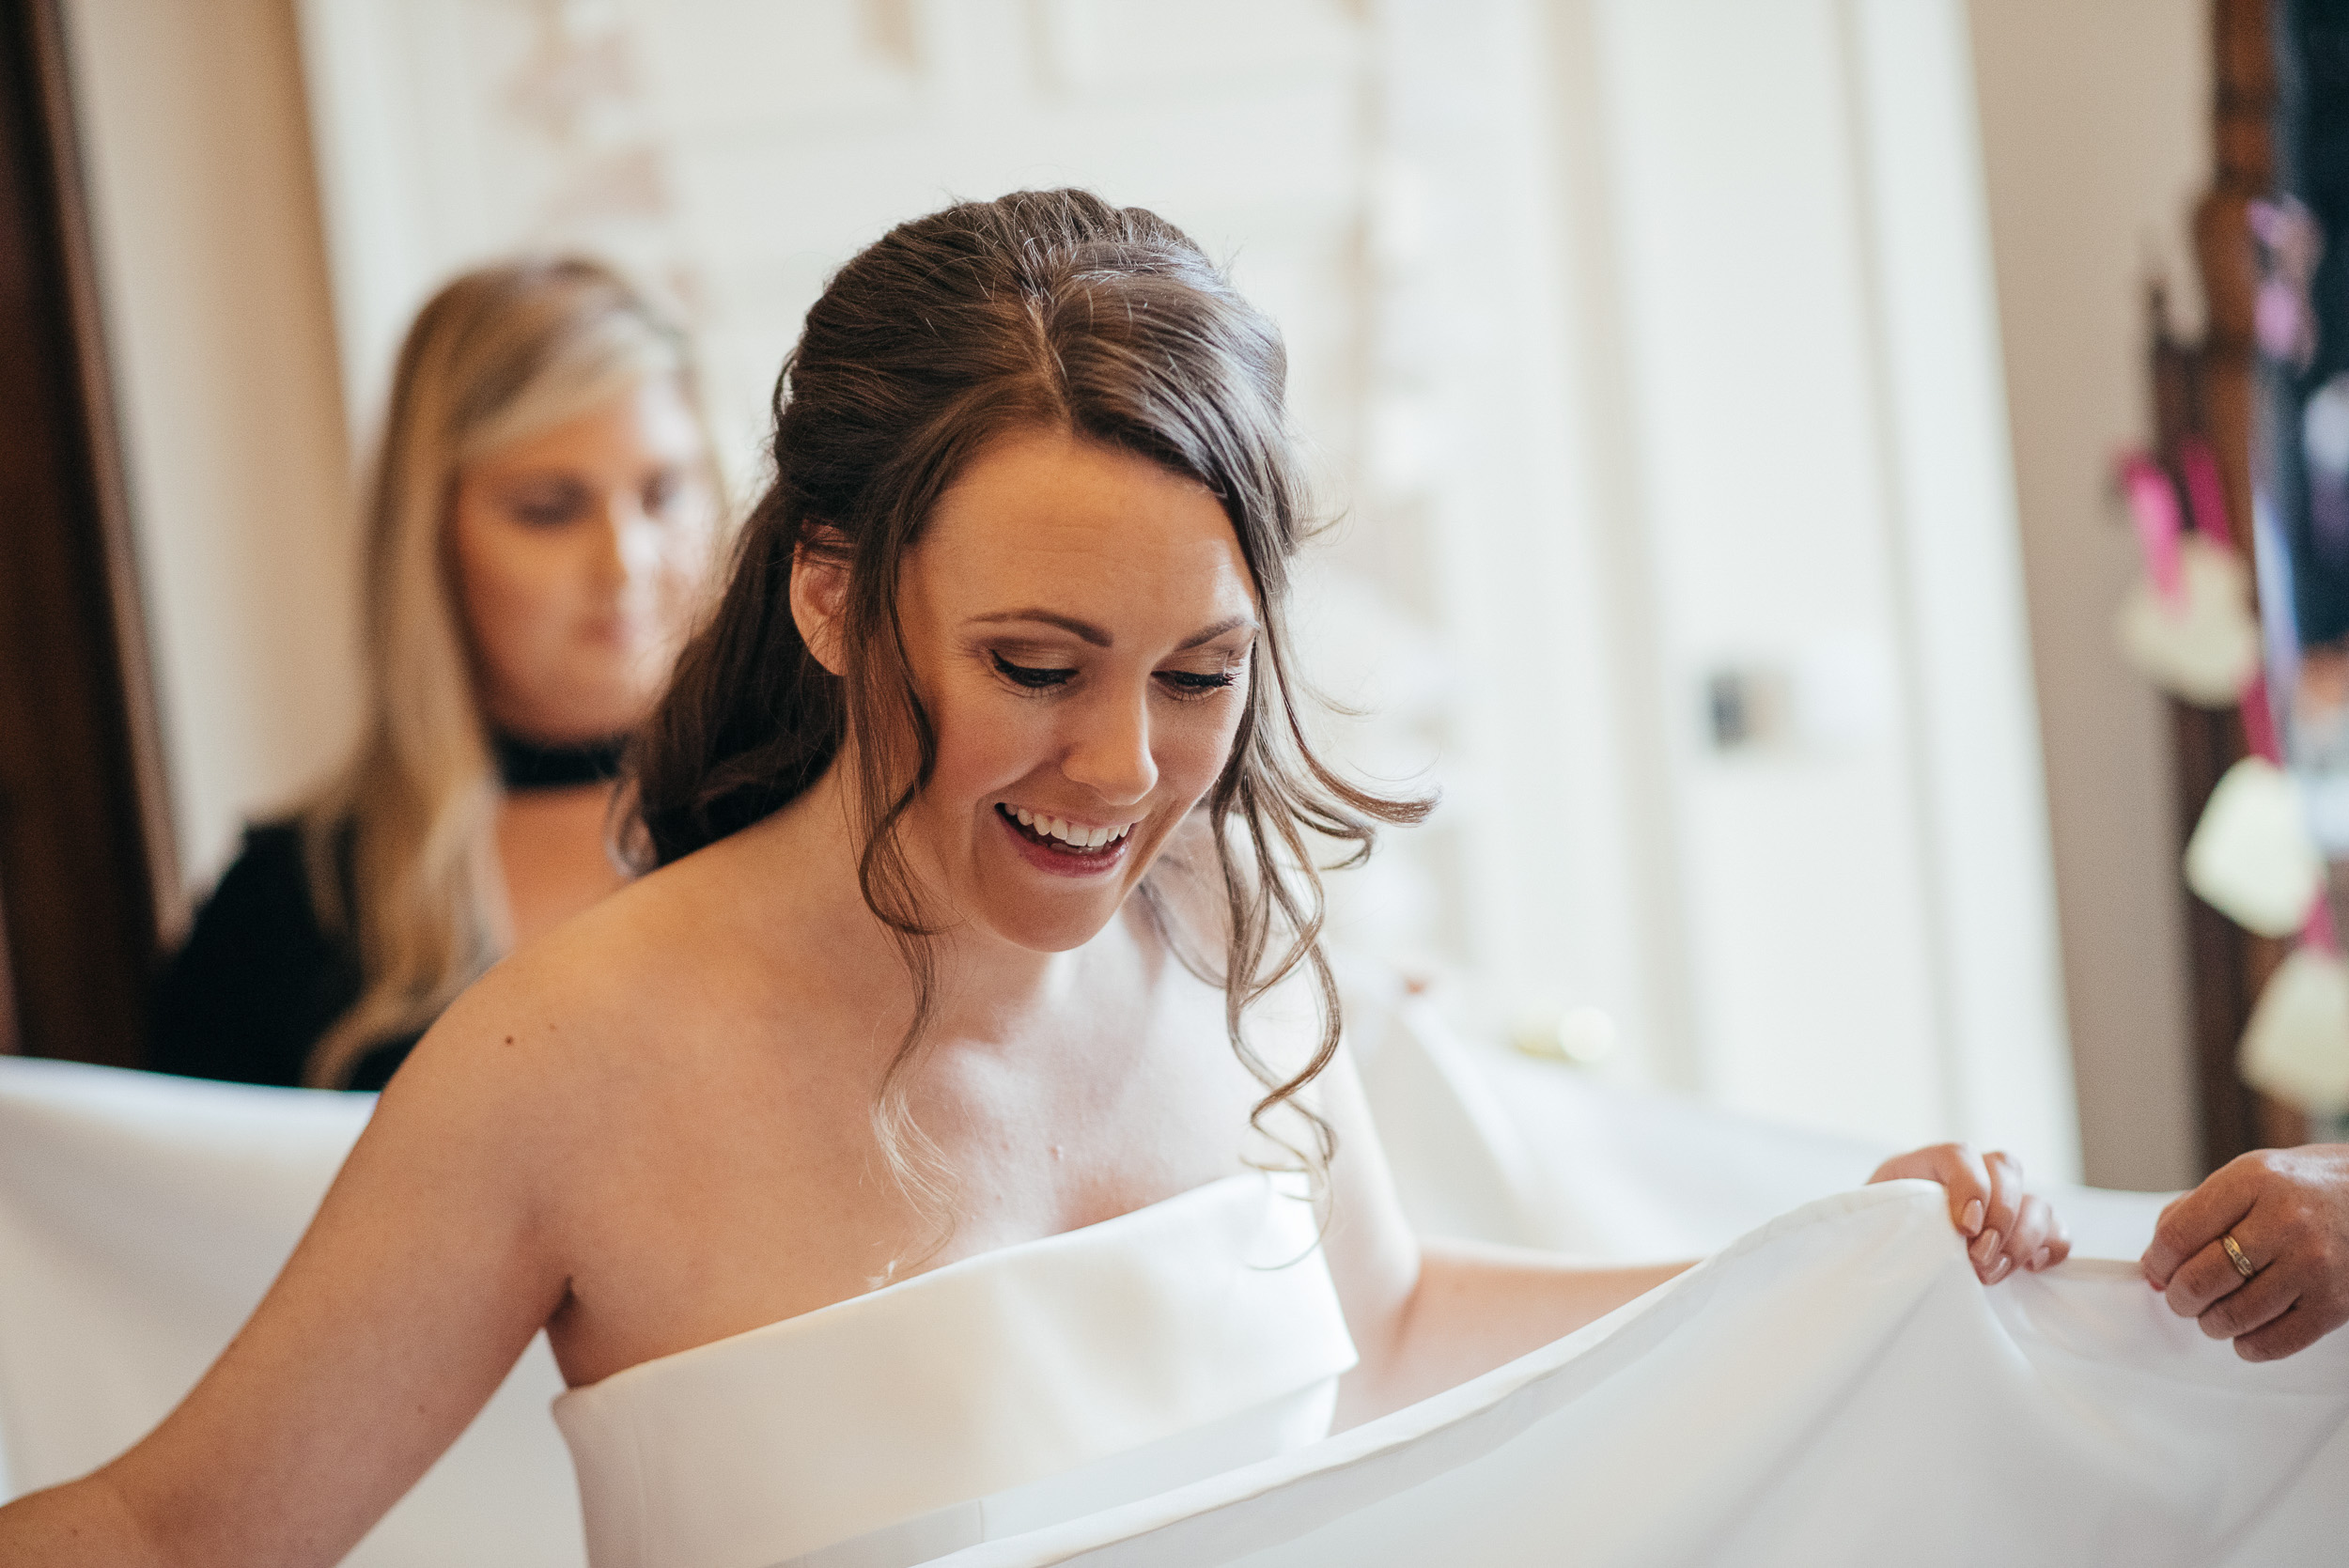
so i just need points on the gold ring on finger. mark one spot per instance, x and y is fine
(2234, 1256)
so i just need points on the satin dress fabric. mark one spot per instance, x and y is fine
(1834, 1389)
(992, 1396)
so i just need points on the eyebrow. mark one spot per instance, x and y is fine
(1100, 639)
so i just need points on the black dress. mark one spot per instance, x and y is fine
(259, 978)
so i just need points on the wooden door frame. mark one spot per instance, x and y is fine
(2204, 390)
(88, 870)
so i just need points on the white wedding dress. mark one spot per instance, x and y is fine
(1832, 1388)
(992, 1396)
(1833, 1391)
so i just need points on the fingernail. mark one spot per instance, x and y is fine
(2039, 1260)
(2004, 1268)
(1974, 1218)
(1985, 1247)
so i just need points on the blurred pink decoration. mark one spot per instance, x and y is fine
(2206, 491)
(2153, 506)
(2292, 243)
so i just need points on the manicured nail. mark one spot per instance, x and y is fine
(2039, 1260)
(1985, 1247)
(1974, 1218)
(2005, 1267)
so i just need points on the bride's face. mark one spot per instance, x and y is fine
(1080, 622)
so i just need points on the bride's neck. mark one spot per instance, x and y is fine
(809, 857)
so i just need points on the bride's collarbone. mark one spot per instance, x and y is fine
(736, 1179)
(734, 1236)
(734, 1209)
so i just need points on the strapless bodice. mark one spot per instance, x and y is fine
(993, 1395)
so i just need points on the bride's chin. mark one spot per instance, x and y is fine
(1023, 924)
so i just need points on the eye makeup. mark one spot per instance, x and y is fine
(1185, 684)
(1028, 675)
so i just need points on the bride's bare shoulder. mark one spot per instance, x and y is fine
(624, 988)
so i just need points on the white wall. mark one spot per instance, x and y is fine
(2095, 120)
(213, 279)
(1819, 486)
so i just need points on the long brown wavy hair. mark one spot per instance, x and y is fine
(1042, 309)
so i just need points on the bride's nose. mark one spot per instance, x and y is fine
(1108, 753)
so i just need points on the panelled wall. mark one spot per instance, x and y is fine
(1649, 354)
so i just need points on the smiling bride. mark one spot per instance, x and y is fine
(952, 1133)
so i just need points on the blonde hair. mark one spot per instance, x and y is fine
(398, 846)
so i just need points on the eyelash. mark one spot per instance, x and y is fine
(1186, 683)
(1028, 675)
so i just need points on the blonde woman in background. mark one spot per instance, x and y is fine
(541, 525)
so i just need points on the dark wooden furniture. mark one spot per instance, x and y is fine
(88, 874)
(2206, 390)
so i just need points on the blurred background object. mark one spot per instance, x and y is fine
(1715, 398)
(2248, 429)
(88, 874)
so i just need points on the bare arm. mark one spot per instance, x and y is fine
(1429, 1315)
(418, 1284)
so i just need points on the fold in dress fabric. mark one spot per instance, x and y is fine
(1020, 1387)
(1834, 1389)
(141, 1219)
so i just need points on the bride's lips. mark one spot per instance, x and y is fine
(1047, 854)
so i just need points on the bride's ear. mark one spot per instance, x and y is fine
(820, 593)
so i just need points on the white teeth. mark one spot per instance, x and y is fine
(1071, 833)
